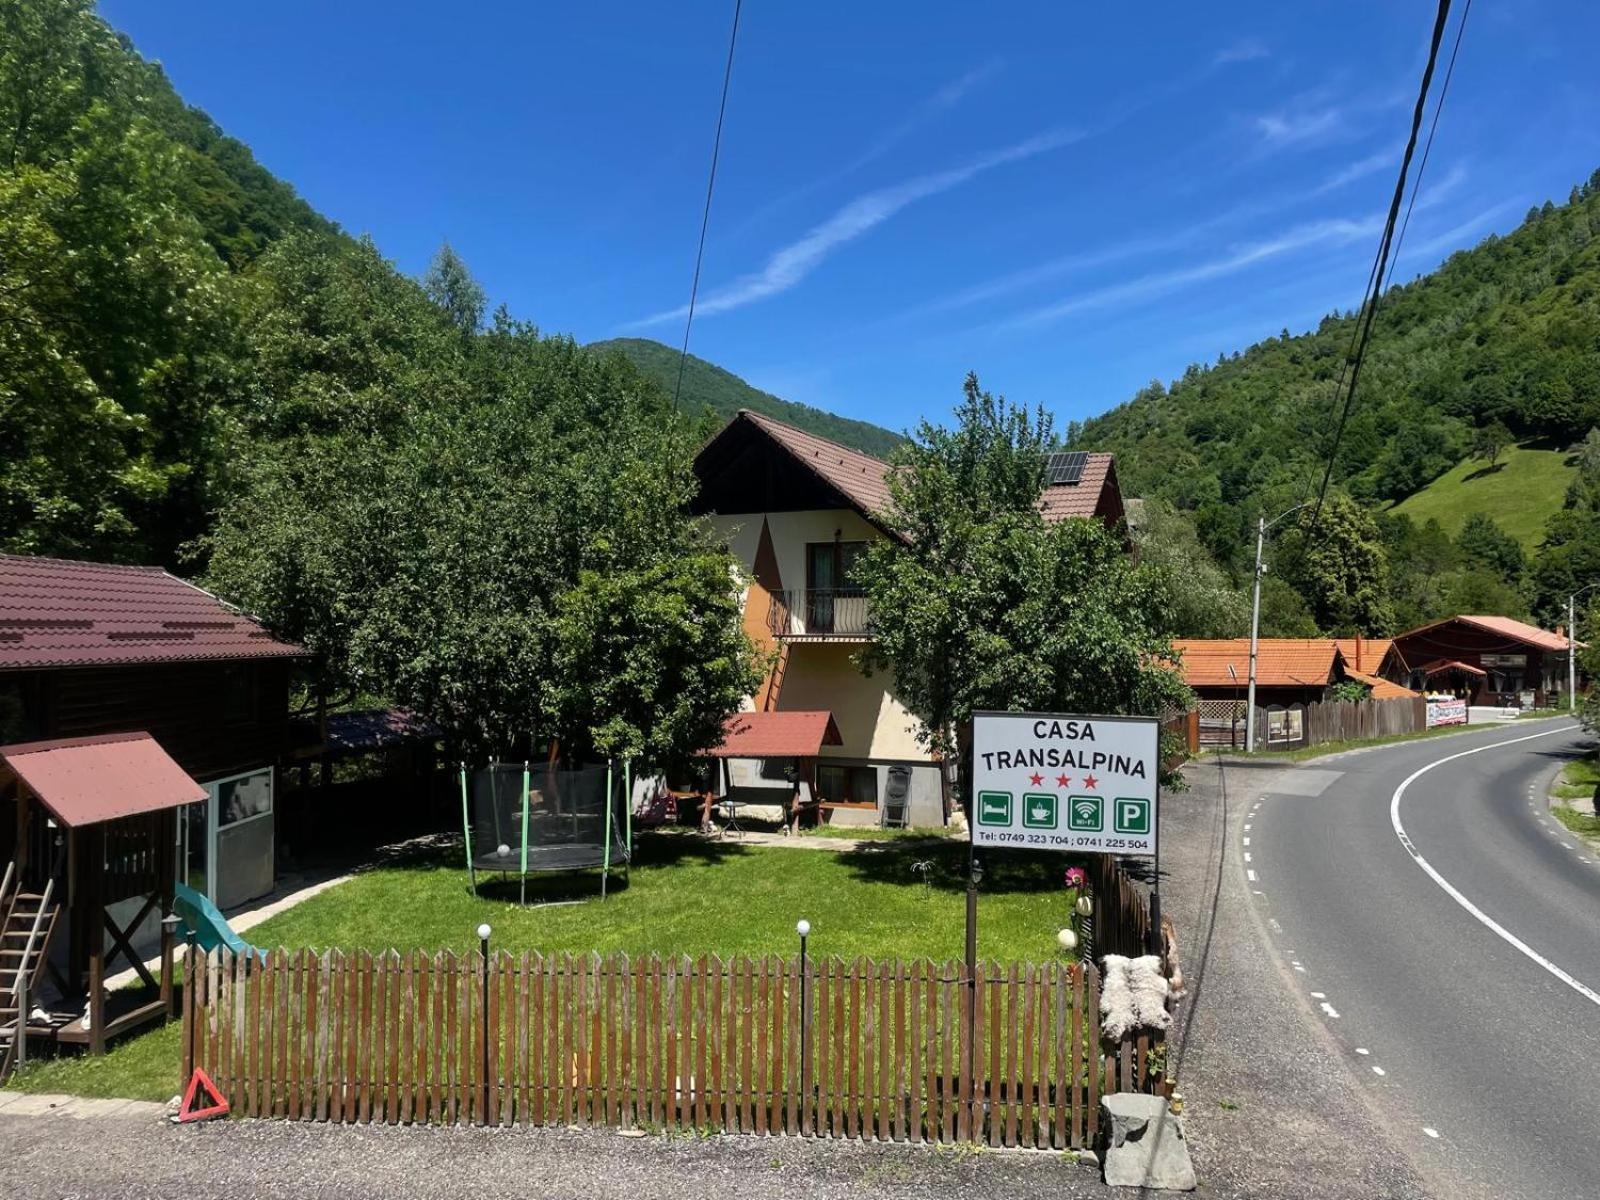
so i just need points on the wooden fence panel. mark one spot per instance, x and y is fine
(885, 1051)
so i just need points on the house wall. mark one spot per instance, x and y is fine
(791, 531)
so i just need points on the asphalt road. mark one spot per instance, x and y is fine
(1471, 1021)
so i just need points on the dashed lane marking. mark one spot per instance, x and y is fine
(1319, 995)
(1430, 1131)
(1329, 1009)
(1251, 875)
(1379, 1071)
(1362, 1050)
(1455, 893)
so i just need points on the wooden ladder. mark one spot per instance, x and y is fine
(27, 919)
(774, 682)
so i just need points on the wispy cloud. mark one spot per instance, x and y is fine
(1331, 232)
(1288, 127)
(1456, 236)
(1244, 50)
(1359, 169)
(939, 102)
(792, 263)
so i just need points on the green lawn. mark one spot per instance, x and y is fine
(1578, 779)
(900, 897)
(1520, 493)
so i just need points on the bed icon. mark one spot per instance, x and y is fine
(994, 808)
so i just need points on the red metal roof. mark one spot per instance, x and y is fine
(1280, 662)
(57, 612)
(1440, 665)
(90, 780)
(1519, 631)
(777, 735)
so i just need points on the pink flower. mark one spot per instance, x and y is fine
(1076, 877)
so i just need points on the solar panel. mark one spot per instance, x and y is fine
(1066, 466)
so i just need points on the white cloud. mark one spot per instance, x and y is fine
(1336, 232)
(1456, 236)
(1359, 169)
(1289, 127)
(1245, 50)
(792, 263)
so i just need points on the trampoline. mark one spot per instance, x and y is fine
(521, 819)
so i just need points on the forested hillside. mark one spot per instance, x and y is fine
(1499, 346)
(706, 385)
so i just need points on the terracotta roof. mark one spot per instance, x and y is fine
(1519, 631)
(777, 735)
(1440, 665)
(57, 612)
(864, 480)
(1382, 689)
(89, 780)
(1079, 499)
(1280, 662)
(1365, 653)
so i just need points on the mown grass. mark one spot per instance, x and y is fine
(1578, 780)
(898, 897)
(875, 833)
(1520, 493)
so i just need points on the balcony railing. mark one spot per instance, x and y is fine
(820, 613)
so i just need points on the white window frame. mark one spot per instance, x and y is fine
(214, 827)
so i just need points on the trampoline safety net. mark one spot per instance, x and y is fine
(566, 815)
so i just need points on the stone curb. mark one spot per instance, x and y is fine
(84, 1108)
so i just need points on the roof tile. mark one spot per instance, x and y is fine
(1280, 662)
(57, 612)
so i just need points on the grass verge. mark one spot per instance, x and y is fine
(1326, 748)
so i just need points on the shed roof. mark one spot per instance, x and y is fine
(777, 735)
(57, 612)
(1382, 689)
(90, 780)
(1080, 499)
(1280, 662)
(1364, 654)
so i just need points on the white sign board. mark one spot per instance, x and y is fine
(1050, 781)
(1447, 712)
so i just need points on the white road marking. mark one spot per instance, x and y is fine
(1299, 968)
(1255, 893)
(1362, 1050)
(1247, 856)
(1246, 841)
(1379, 1071)
(1455, 894)
(1320, 995)
(1329, 1009)
(1247, 825)
(1430, 1131)
(1251, 875)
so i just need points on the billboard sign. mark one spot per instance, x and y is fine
(1053, 781)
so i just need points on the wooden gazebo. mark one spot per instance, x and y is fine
(95, 825)
(793, 735)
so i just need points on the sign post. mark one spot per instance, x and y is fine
(1075, 784)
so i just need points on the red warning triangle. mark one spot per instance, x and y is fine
(218, 1106)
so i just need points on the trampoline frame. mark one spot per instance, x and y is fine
(605, 852)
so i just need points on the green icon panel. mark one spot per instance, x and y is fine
(1086, 814)
(1131, 815)
(1039, 810)
(994, 808)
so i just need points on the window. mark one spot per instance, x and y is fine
(832, 596)
(243, 797)
(840, 784)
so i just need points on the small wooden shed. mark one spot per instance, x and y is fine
(95, 842)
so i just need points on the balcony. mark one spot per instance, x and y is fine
(820, 614)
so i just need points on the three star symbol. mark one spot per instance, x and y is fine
(1036, 779)
(1062, 781)
(1089, 781)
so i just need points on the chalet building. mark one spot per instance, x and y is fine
(797, 510)
(92, 648)
(1486, 660)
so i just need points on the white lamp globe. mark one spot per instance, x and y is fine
(1085, 905)
(484, 931)
(802, 927)
(1067, 939)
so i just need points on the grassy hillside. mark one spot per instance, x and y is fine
(1521, 493)
(724, 393)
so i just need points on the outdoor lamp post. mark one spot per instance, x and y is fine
(1572, 645)
(803, 928)
(1255, 622)
(483, 940)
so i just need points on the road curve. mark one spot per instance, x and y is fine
(1446, 933)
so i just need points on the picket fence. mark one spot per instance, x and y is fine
(894, 1051)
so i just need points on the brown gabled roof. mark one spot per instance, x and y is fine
(1364, 654)
(57, 612)
(777, 735)
(1382, 689)
(864, 480)
(88, 780)
(1280, 662)
(1081, 499)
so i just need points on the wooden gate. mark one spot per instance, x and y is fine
(878, 1050)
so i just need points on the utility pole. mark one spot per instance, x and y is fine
(1262, 526)
(1572, 645)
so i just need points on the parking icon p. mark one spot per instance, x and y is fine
(1131, 815)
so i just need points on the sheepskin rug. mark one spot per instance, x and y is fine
(1133, 995)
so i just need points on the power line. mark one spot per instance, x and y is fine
(1427, 147)
(705, 217)
(1380, 264)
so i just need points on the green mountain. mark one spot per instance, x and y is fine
(724, 393)
(1507, 332)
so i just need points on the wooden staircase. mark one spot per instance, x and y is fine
(27, 919)
(774, 681)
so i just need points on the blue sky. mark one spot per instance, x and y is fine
(1070, 199)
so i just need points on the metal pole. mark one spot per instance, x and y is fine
(974, 874)
(1572, 652)
(803, 928)
(1255, 631)
(466, 832)
(483, 938)
(1154, 938)
(525, 832)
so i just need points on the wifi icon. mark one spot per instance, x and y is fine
(1086, 814)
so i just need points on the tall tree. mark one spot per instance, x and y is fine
(1339, 566)
(1489, 441)
(979, 604)
(450, 285)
